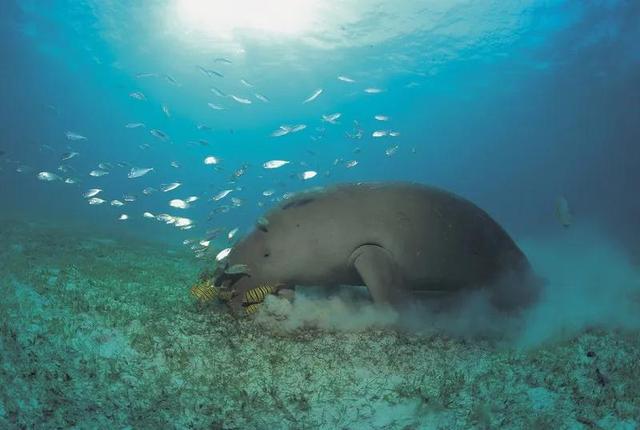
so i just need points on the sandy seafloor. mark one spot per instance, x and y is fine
(100, 333)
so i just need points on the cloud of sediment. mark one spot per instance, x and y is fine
(591, 283)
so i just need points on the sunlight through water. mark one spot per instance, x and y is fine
(223, 18)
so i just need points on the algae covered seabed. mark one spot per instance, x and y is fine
(102, 333)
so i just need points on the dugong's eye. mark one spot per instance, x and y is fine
(266, 254)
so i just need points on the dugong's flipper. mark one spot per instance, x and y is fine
(379, 272)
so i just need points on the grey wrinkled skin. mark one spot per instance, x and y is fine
(401, 240)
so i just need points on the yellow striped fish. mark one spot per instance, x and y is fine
(257, 295)
(252, 308)
(204, 291)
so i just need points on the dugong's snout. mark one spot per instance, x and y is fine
(239, 287)
(234, 284)
(248, 292)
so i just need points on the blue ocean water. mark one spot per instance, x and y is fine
(511, 104)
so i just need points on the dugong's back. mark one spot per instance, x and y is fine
(439, 240)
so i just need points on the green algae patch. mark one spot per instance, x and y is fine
(98, 333)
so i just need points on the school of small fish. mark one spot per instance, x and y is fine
(151, 178)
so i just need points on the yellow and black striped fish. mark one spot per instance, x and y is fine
(257, 295)
(204, 291)
(252, 308)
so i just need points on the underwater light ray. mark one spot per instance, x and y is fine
(224, 18)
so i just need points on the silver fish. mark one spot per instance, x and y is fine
(48, 176)
(217, 92)
(210, 72)
(134, 125)
(350, 164)
(346, 79)
(391, 150)
(170, 187)
(308, 175)
(72, 135)
(178, 203)
(98, 173)
(211, 160)
(215, 106)
(262, 98)
(69, 155)
(313, 96)
(223, 254)
(221, 195)
(166, 218)
(137, 95)
(146, 75)
(159, 134)
(171, 80)
(183, 223)
(274, 164)
(137, 172)
(281, 131)
(240, 171)
(92, 193)
(241, 100)
(331, 118)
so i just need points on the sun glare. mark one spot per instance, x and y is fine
(225, 18)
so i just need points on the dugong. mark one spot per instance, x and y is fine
(400, 240)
